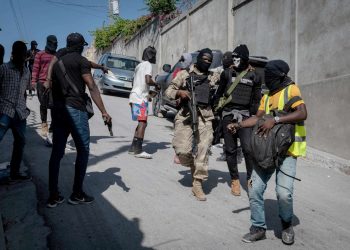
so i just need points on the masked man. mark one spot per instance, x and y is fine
(39, 74)
(185, 140)
(282, 90)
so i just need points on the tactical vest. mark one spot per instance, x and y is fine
(202, 89)
(242, 94)
(298, 148)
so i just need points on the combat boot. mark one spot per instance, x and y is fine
(235, 187)
(44, 129)
(197, 190)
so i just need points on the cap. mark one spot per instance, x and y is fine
(33, 42)
(74, 39)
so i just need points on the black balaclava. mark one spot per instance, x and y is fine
(227, 60)
(149, 54)
(33, 45)
(276, 75)
(202, 65)
(19, 52)
(240, 57)
(2, 53)
(51, 44)
(75, 43)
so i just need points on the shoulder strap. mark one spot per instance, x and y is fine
(235, 83)
(289, 104)
(66, 76)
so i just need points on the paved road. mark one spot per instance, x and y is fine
(147, 204)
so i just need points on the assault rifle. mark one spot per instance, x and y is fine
(192, 106)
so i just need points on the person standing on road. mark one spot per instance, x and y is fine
(281, 90)
(39, 74)
(183, 134)
(70, 76)
(139, 100)
(30, 58)
(242, 103)
(14, 80)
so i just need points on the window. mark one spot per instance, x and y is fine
(121, 63)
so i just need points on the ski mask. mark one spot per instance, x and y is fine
(76, 42)
(201, 64)
(240, 57)
(227, 60)
(51, 44)
(276, 75)
(19, 52)
(149, 54)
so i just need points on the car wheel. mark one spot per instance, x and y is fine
(105, 92)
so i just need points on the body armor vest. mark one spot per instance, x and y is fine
(243, 92)
(201, 89)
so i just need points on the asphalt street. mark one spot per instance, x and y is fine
(147, 204)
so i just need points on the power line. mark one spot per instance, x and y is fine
(16, 20)
(76, 4)
(21, 16)
(70, 8)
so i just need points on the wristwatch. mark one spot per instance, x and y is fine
(277, 119)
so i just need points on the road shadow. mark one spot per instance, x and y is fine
(99, 225)
(116, 94)
(153, 147)
(106, 179)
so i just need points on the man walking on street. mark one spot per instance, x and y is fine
(70, 76)
(282, 92)
(14, 80)
(39, 74)
(242, 87)
(183, 141)
(139, 100)
(30, 58)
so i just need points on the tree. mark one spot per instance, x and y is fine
(159, 7)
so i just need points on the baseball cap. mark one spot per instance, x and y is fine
(74, 39)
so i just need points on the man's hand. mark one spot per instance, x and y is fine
(233, 127)
(105, 70)
(265, 128)
(183, 95)
(106, 118)
(47, 84)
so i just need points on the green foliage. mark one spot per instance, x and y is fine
(157, 7)
(121, 27)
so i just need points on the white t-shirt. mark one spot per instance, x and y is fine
(140, 89)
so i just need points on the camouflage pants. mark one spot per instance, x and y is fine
(182, 144)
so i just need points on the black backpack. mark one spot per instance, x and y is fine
(269, 153)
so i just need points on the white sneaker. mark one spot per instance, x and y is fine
(49, 139)
(144, 155)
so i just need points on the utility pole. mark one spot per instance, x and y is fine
(113, 9)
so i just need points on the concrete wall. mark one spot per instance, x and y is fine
(313, 36)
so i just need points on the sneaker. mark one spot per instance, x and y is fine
(19, 178)
(81, 198)
(287, 233)
(49, 140)
(144, 155)
(255, 234)
(53, 201)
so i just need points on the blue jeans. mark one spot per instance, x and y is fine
(18, 128)
(66, 121)
(284, 191)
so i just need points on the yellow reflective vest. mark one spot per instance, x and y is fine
(298, 148)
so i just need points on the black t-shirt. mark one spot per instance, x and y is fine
(61, 52)
(76, 66)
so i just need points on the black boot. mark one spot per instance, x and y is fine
(287, 233)
(138, 146)
(133, 146)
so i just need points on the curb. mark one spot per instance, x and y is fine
(327, 160)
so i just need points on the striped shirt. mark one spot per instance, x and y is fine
(12, 90)
(41, 65)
